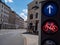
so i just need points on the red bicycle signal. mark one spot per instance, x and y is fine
(50, 27)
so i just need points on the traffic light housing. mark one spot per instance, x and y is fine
(50, 24)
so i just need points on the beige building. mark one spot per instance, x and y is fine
(34, 15)
(19, 22)
(9, 19)
(12, 18)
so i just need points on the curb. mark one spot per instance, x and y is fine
(25, 40)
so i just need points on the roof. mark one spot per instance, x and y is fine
(4, 4)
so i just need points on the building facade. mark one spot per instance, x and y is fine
(12, 18)
(25, 24)
(9, 18)
(19, 22)
(34, 15)
(4, 15)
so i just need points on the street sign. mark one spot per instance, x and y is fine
(50, 9)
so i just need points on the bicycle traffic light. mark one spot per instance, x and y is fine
(50, 22)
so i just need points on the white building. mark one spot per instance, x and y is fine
(4, 15)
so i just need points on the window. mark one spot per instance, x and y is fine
(30, 25)
(31, 16)
(1, 15)
(36, 2)
(36, 15)
(1, 19)
(1, 10)
(2, 6)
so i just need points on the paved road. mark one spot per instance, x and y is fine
(11, 37)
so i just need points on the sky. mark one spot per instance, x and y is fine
(19, 6)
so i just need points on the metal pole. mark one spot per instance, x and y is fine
(39, 41)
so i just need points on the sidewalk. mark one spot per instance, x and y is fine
(31, 39)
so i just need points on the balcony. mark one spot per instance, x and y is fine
(35, 7)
